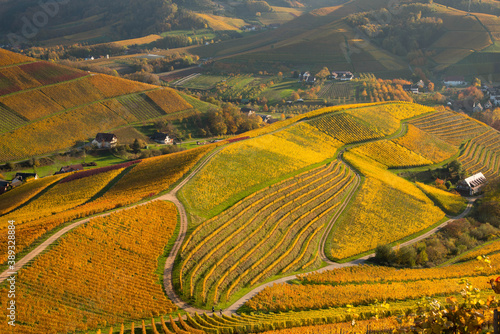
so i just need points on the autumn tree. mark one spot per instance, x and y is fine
(430, 86)
(325, 72)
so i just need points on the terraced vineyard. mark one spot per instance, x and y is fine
(10, 58)
(63, 105)
(117, 253)
(386, 209)
(47, 73)
(21, 194)
(391, 154)
(275, 230)
(361, 285)
(482, 154)
(452, 127)
(452, 203)
(426, 144)
(10, 120)
(249, 163)
(140, 107)
(344, 128)
(143, 180)
(335, 90)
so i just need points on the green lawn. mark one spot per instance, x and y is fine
(280, 91)
(102, 159)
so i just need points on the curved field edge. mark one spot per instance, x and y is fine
(239, 291)
(42, 240)
(206, 212)
(371, 220)
(139, 254)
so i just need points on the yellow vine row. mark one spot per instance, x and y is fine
(234, 218)
(290, 249)
(301, 255)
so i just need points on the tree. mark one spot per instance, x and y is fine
(323, 73)
(364, 94)
(136, 146)
(455, 167)
(295, 96)
(476, 82)
(430, 86)
(384, 254)
(265, 108)
(10, 165)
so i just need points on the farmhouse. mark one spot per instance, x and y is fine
(477, 107)
(264, 117)
(471, 185)
(247, 111)
(69, 169)
(454, 81)
(162, 138)
(304, 76)
(21, 177)
(410, 88)
(105, 140)
(307, 78)
(341, 75)
(4, 185)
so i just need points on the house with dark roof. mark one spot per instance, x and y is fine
(69, 169)
(4, 185)
(341, 75)
(264, 117)
(105, 140)
(304, 76)
(411, 88)
(19, 178)
(162, 138)
(471, 185)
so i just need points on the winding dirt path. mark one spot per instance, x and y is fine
(169, 264)
(171, 196)
(333, 265)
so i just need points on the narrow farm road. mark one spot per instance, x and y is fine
(169, 263)
(53, 238)
(333, 265)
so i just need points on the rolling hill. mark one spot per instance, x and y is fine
(37, 97)
(266, 204)
(323, 37)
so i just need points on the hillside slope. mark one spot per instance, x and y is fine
(48, 107)
(324, 37)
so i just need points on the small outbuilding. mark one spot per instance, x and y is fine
(69, 169)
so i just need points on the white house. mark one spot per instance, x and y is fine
(471, 185)
(162, 138)
(105, 140)
(454, 81)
